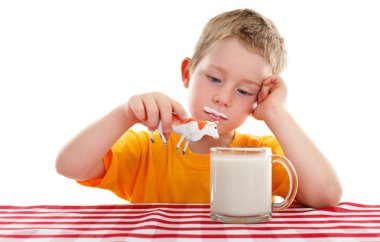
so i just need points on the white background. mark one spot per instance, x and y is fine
(64, 64)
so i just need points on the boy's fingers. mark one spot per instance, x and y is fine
(165, 108)
(152, 112)
(179, 110)
(137, 106)
(151, 108)
(264, 92)
(268, 81)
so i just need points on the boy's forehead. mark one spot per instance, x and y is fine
(230, 55)
(248, 79)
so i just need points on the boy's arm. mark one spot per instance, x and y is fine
(81, 158)
(318, 182)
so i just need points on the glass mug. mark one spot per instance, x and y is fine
(241, 184)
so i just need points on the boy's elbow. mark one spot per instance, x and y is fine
(69, 167)
(64, 166)
(329, 197)
(321, 198)
(60, 166)
(333, 199)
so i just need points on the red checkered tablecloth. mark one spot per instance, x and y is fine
(172, 222)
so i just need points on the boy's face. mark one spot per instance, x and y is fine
(225, 84)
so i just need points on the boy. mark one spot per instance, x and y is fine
(232, 75)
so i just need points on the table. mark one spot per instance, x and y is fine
(184, 222)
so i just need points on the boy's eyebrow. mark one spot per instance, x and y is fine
(218, 68)
(224, 72)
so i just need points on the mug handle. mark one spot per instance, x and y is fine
(293, 180)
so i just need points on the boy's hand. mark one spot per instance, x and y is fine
(149, 108)
(272, 94)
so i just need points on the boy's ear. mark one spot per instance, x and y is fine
(185, 71)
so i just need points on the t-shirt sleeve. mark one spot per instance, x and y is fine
(121, 163)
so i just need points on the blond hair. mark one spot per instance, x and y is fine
(255, 31)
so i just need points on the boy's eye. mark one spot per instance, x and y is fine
(245, 93)
(213, 79)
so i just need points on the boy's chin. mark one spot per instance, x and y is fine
(224, 132)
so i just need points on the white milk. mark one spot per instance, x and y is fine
(241, 184)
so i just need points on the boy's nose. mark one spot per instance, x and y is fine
(223, 99)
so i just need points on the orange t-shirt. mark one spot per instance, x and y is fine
(143, 172)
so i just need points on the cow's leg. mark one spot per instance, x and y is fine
(159, 129)
(180, 141)
(163, 138)
(185, 147)
(151, 136)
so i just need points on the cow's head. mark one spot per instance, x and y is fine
(211, 129)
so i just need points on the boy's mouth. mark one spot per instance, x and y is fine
(215, 115)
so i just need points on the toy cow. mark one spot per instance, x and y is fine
(191, 130)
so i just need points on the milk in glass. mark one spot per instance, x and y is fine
(241, 184)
